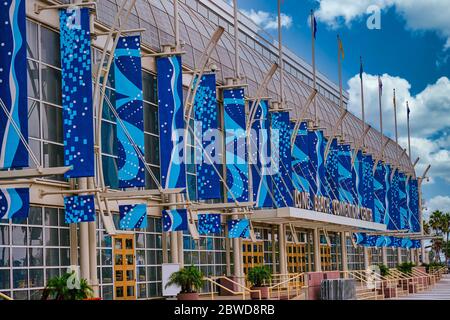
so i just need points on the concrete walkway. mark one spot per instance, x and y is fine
(441, 291)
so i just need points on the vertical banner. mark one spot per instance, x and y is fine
(300, 159)
(79, 208)
(366, 189)
(345, 174)
(209, 224)
(13, 84)
(357, 167)
(235, 144)
(76, 72)
(394, 202)
(171, 122)
(413, 205)
(129, 107)
(379, 188)
(402, 201)
(14, 203)
(332, 171)
(133, 216)
(175, 220)
(317, 166)
(281, 154)
(261, 155)
(239, 228)
(206, 125)
(387, 193)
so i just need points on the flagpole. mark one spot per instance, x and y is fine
(395, 119)
(380, 93)
(176, 24)
(341, 99)
(314, 63)
(409, 132)
(236, 40)
(280, 55)
(362, 106)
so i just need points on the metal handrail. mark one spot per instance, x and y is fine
(423, 276)
(361, 275)
(223, 287)
(239, 285)
(279, 286)
(5, 297)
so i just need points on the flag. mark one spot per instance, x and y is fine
(407, 109)
(314, 24)
(341, 48)
(380, 85)
(361, 69)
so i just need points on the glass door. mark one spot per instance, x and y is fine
(124, 268)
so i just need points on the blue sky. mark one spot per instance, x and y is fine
(411, 51)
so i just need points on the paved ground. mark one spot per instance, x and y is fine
(441, 291)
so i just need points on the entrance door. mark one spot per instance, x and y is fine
(124, 268)
(252, 254)
(325, 257)
(296, 256)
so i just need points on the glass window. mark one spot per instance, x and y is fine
(36, 256)
(149, 88)
(4, 280)
(51, 85)
(52, 123)
(4, 235)
(35, 216)
(50, 50)
(64, 237)
(109, 140)
(65, 257)
(20, 278)
(19, 235)
(51, 273)
(110, 171)
(33, 79)
(52, 257)
(36, 278)
(51, 216)
(35, 236)
(4, 257)
(32, 40)
(51, 237)
(152, 149)
(53, 156)
(151, 118)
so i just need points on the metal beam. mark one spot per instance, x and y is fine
(380, 156)
(229, 205)
(119, 195)
(360, 144)
(32, 173)
(299, 120)
(333, 135)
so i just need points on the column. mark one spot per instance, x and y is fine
(282, 245)
(344, 257)
(384, 255)
(180, 245)
(173, 235)
(84, 240)
(316, 241)
(227, 251)
(366, 258)
(399, 255)
(274, 251)
(237, 256)
(93, 249)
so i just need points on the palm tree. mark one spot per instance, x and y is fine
(446, 230)
(436, 223)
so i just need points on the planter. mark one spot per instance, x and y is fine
(188, 296)
(264, 293)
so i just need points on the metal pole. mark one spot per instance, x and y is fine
(380, 93)
(280, 54)
(409, 132)
(93, 250)
(362, 109)
(237, 67)
(395, 119)
(314, 64)
(176, 24)
(341, 98)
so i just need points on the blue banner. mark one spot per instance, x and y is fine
(300, 159)
(403, 204)
(413, 205)
(316, 164)
(235, 144)
(345, 174)
(79, 208)
(416, 244)
(171, 122)
(332, 171)
(260, 155)
(394, 202)
(14, 203)
(380, 199)
(387, 183)
(407, 243)
(76, 71)
(239, 228)
(133, 216)
(358, 178)
(281, 155)
(207, 122)
(13, 84)
(175, 220)
(366, 188)
(209, 224)
(129, 107)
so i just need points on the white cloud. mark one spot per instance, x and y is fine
(425, 15)
(430, 117)
(267, 20)
(437, 203)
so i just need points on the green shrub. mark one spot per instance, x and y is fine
(384, 270)
(57, 289)
(406, 267)
(257, 276)
(190, 279)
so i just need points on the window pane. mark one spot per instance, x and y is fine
(149, 87)
(152, 149)
(20, 295)
(107, 257)
(110, 171)
(19, 257)
(52, 124)
(19, 235)
(64, 237)
(52, 257)
(51, 216)
(50, 51)
(51, 84)
(65, 257)
(36, 277)
(33, 79)
(36, 148)
(4, 279)
(4, 235)
(36, 257)
(110, 98)
(109, 138)
(35, 216)
(32, 40)
(35, 236)
(4, 257)
(53, 155)
(149, 182)
(51, 273)
(51, 237)
(151, 118)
